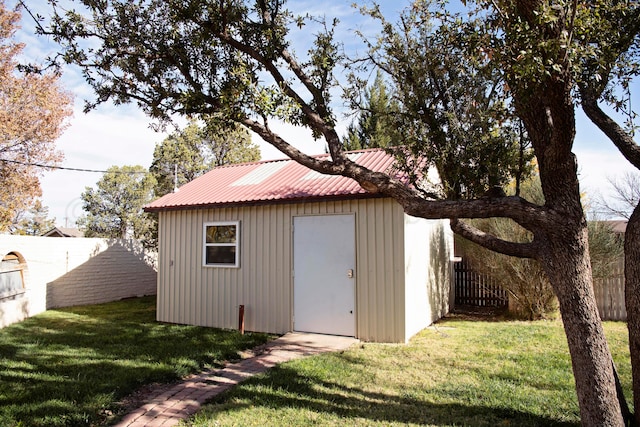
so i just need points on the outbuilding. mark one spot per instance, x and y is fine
(299, 251)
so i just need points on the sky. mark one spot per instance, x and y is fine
(121, 135)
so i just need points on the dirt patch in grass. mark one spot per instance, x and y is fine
(480, 314)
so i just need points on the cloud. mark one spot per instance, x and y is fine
(102, 138)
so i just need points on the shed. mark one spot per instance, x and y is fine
(301, 251)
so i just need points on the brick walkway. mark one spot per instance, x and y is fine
(186, 398)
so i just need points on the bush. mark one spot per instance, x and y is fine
(531, 295)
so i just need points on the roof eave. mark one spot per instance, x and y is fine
(291, 200)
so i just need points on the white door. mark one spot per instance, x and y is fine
(324, 274)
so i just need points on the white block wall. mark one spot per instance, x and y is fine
(62, 272)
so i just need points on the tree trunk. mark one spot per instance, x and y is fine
(567, 265)
(632, 301)
(548, 112)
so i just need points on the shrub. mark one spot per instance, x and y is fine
(531, 295)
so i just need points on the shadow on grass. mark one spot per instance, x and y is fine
(72, 366)
(478, 314)
(285, 396)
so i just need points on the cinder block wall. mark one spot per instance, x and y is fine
(62, 272)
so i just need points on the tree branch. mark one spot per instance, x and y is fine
(621, 139)
(263, 130)
(520, 250)
(527, 214)
(317, 117)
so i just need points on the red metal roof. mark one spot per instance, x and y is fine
(272, 180)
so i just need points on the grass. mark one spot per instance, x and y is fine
(72, 367)
(464, 373)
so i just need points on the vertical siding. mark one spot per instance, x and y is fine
(192, 294)
(380, 255)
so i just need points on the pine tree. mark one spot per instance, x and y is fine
(376, 127)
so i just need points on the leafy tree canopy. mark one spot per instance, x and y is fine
(525, 59)
(114, 207)
(33, 110)
(375, 126)
(34, 222)
(451, 106)
(198, 148)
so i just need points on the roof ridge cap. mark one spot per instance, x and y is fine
(256, 162)
(289, 159)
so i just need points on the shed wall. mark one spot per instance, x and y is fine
(428, 267)
(192, 294)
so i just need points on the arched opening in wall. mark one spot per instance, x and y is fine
(12, 273)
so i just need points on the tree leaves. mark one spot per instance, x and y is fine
(198, 148)
(453, 112)
(33, 111)
(114, 207)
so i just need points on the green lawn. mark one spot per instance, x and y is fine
(462, 373)
(71, 367)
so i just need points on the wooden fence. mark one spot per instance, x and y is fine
(610, 295)
(480, 290)
(472, 288)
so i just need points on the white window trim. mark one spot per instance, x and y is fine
(13, 269)
(205, 244)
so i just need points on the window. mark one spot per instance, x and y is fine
(222, 244)
(11, 279)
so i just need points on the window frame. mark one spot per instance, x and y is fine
(205, 245)
(13, 268)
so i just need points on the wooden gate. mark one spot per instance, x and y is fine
(472, 288)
